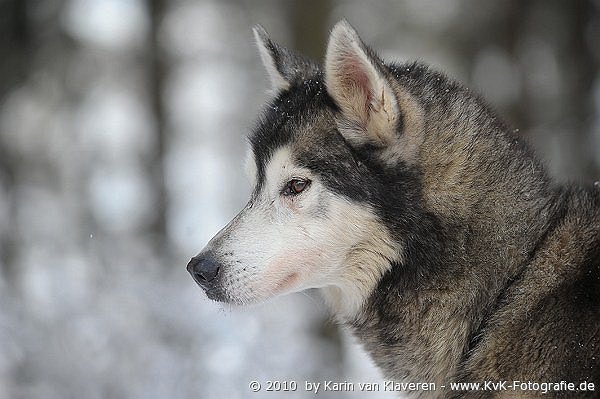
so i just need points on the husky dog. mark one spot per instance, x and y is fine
(430, 229)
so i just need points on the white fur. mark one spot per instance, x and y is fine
(317, 239)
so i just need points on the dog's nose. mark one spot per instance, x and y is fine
(204, 270)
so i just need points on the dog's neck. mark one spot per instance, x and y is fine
(473, 237)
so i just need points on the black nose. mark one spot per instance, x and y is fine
(204, 270)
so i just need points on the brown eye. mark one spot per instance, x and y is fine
(295, 186)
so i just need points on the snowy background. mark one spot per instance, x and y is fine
(122, 138)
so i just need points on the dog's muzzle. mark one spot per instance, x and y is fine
(204, 270)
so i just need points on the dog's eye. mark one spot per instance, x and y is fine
(295, 186)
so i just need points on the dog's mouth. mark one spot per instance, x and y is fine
(217, 293)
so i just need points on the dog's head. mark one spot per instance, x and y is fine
(331, 163)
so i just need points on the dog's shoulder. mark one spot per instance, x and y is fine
(547, 323)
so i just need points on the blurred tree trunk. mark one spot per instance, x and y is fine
(15, 44)
(15, 48)
(584, 68)
(156, 78)
(310, 21)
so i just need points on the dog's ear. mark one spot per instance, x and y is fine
(358, 82)
(284, 66)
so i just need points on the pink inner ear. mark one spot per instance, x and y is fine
(355, 77)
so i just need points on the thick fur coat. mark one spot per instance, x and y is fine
(429, 226)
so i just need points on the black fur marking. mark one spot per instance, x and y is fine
(279, 123)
